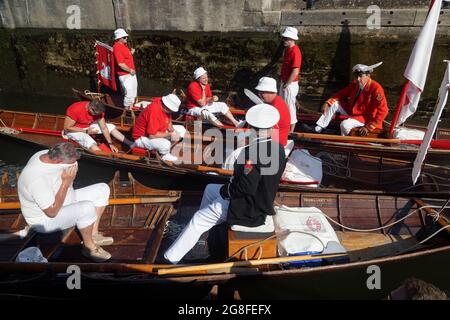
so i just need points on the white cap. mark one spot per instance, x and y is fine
(364, 68)
(199, 72)
(267, 84)
(120, 33)
(262, 116)
(291, 33)
(172, 102)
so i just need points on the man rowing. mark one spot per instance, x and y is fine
(86, 118)
(247, 199)
(153, 129)
(363, 100)
(201, 103)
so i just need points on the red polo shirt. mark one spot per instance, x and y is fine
(284, 125)
(194, 93)
(78, 112)
(151, 121)
(292, 59)
(122, 54)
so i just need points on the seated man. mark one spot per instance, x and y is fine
(87, 118)
(363, 100)
(153, 129)
(248, 197)
(267, 90)
(201, 103)
(49, 203)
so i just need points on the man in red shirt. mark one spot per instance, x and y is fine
(86, 118)
(153, 129)
(363, 100)
(267, 90)
(290, 71)
(201, 103)
(125, 68)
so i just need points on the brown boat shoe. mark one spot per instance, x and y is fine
(97, 255)
(100, 240)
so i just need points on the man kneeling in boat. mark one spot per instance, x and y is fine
(201, 103)
(248, 197)
(363, 100)
(153, 129)
(87, 118)
(50, 204)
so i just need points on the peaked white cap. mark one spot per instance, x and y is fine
(267, 84)
(199, 72)
(120, 33)
(291, 33)
(172, 102)
(262, 116)
(364, 68)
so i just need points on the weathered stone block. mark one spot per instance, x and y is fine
(272, 18)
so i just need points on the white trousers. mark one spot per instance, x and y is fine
(80, 212)
(161, 145)
(289, 95)
(207, 112)
(129, 86)
(85, 140)
(213, 211)
(346, 126)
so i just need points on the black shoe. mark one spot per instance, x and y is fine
(307, 128)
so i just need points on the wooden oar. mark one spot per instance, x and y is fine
(249, 263)
(318, 136)
(113, 201)
(215, 170)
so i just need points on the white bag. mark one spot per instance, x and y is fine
(408, 134)
(315, 232)
(31, 254)
(303, 167)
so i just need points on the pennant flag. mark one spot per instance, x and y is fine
(105, 65)
(432, 125)
(417, 68)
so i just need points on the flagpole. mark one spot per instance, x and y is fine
(401, 100)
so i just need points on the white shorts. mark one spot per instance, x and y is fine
(80, 213)
(85, 140)
(129, 86)
(289, 95)
(161, 145)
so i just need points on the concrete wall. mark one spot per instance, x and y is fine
(207, 15)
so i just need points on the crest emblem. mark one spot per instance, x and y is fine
(248, 167)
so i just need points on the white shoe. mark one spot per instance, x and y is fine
(241, 124)
(169, 157)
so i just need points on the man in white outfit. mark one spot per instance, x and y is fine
(50, 204)
(248, 197)
(153, 129)
(290, 71)
(124, 67)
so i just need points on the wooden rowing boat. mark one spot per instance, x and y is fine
(374, 145)
(141, 237)
(343, 172)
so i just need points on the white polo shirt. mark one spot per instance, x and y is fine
(37, 186)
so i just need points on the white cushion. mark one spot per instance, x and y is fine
(267, 227)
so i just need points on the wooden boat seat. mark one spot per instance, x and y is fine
(142, 152)
(251, 245)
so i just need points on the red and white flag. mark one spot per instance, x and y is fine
(417, 68)
(105, 65)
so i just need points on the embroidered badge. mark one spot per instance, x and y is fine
(379, 97)
(248, 167)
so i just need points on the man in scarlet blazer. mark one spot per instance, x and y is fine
(363, 100)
